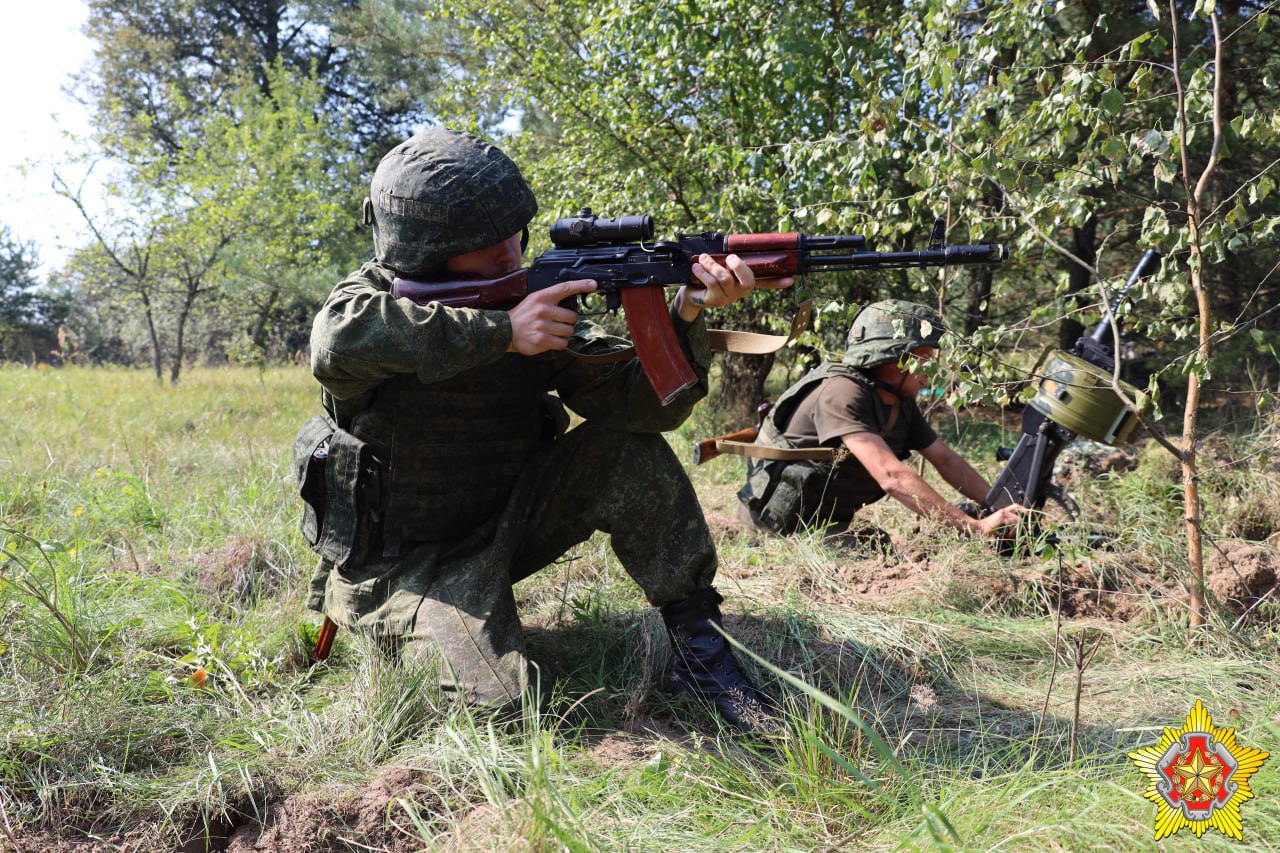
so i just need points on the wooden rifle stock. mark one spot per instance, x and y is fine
(502, 292)
(708, 448)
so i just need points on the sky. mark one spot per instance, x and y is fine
(41, 46)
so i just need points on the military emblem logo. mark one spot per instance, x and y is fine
(1198, 776)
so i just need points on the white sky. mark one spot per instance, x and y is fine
(41, 46)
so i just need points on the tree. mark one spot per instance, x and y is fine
(173, 61)
(271, 164)
(231, 218)
(28, 316)
(20, 304)
(1175, 155)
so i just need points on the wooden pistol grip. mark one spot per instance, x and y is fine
(649, 322)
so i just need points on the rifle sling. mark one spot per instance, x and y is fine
(726, 340)
(763, 451)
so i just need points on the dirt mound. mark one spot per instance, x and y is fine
(1251, 519)
(1240, 574)
(367, 820)
(1090, 460)
(1101, 589)
(242, 569)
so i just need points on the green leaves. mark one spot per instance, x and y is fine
(1112, 102)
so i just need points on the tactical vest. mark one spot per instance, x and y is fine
(782, 495)
(452, 450)
(772, 434)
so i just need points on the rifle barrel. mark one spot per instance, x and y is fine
(984, 253)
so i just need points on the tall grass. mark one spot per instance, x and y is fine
(154, 684)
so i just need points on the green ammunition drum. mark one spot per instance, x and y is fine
(1078, 396)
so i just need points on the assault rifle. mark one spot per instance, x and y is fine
(710, 448)
(1075, 398)
(631, 271)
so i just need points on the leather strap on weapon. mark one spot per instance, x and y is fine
(726, 340)
(763, 451)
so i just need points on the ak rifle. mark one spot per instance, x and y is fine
(631, 271)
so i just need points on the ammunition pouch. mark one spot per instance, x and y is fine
(783, 496)
(339, 480)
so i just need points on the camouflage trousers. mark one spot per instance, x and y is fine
(455, 597)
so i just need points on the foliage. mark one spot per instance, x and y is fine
(171, 62)
(223, 224)
(29, 315)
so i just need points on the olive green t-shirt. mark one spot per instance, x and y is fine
(842, 406)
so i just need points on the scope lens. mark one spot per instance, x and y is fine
(590, 230)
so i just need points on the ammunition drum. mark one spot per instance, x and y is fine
(1078, 396)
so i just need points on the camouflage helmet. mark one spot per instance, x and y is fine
(886, 331)
(443, 193)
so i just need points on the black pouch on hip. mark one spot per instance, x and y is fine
(339, 482)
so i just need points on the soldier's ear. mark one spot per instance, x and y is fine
(524, 239)
(366, 211)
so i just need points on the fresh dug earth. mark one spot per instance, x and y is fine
(1242, 575)
(370, 818)
(908, 571)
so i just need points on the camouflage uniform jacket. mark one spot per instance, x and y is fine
(368, 348)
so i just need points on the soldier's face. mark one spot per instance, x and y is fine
(914, 377)
(490, 262)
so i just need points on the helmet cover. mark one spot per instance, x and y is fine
(443, 193)
(887, 331)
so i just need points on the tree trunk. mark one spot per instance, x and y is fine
(1083, 246)
(157, 357)
(979, 307)
(1196, 207)
(258, 331)
(742, 379)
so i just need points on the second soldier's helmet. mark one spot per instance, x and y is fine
(443, 193)
(886, 331)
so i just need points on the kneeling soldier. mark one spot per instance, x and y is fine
(457, 478)
(863, 411)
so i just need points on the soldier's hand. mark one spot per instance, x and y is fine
(539, 323)
(717, 285)
(998, 524)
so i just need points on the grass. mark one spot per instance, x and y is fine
(154, 686)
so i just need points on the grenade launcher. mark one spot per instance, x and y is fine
(1075, 398)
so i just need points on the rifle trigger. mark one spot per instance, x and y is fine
(938, 239)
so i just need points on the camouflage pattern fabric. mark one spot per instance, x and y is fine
(442, 193)
(613, 473)
(886, 331)
(455, 597)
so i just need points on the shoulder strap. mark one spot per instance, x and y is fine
(764, 451)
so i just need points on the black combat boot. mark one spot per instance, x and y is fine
(705, 666)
